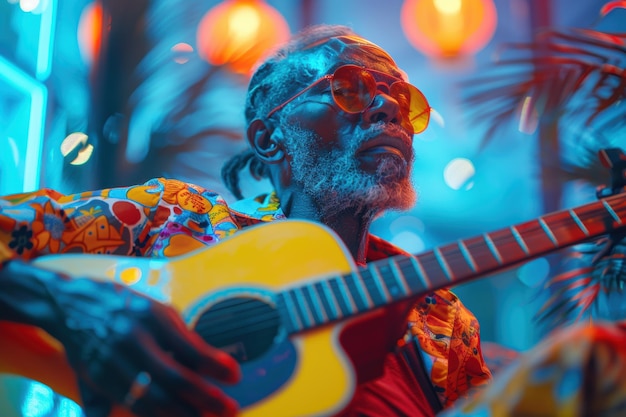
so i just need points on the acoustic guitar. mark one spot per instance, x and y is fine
(283, 309)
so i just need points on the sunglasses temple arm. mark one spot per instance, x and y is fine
(298, 94)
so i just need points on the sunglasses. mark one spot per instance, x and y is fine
(354, 89)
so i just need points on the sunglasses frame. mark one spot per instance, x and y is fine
(330, 77)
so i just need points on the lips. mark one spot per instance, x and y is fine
(387, 144)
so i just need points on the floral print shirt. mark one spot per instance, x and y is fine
(166, 218)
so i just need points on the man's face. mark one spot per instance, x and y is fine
(343, 160)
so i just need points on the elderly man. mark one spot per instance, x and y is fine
(330, 121)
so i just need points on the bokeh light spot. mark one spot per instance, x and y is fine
(181, 52)
(72, 141)
(29, 5)
(448, 6)
(409, 241)
(533, 273)
(459, 174)
(83, 155)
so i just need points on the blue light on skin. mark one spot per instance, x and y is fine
(38, 95)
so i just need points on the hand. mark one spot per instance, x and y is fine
(125, 348)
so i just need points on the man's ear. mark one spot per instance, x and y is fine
(265, 142)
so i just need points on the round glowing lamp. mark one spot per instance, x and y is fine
(238, 33)
(448, 28)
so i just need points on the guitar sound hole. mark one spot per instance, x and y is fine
(244, 327)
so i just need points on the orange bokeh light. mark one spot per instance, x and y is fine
(448, 28)
(90, 31)
(238, 33)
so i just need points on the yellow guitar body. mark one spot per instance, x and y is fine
(269, 257)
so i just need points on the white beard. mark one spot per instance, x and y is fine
(335, 181)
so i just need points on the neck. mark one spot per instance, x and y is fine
(351, 226)
(353, 229)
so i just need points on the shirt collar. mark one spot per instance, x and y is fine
(263, 208)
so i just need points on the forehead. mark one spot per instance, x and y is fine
(342, 50)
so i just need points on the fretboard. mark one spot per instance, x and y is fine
(398, 278)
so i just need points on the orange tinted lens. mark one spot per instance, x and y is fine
(413, 105)
(353, 88)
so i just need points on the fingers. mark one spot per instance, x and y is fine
(204, 395)
(107, 381)
(159, 402)
(147, 338)
(174, 388)
(189, 348)
(197, 399)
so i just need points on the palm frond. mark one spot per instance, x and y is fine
(572, 81)
(593, 269)
(612, 5)
(580, 73)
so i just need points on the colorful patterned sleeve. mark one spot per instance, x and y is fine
(447, 333)
(159, 218)
(577, 371)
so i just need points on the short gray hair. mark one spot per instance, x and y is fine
(289, 67)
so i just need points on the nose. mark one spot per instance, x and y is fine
(383, 108)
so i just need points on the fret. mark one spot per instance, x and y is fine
(507, 246)
(319, 317)
(484, 258)
(328, 300)
(290, 312)
(456, 262)
(391, 279)
(382, 273)
(420, 272)
(298, 301)
(467, 256)
(492, 248)
(339, 290)
(548, 231)
(371, 279)
(564, 228)
(359, 296)
(612, 212)
(535, 237)
(432, 268)
(595, 218)
(520, 240)
(443, 264)
(413, 274)
(618, 205)
(400, 280)
(335, 307)
(580, 224)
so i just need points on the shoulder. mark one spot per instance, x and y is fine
(157, 191)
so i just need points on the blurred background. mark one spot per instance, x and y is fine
(524, 92)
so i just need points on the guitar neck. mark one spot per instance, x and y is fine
(398, 278)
